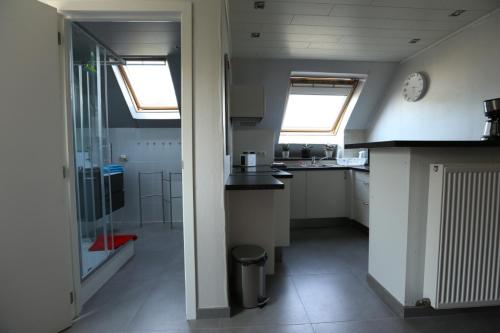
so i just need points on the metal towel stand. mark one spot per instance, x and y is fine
(162, 194)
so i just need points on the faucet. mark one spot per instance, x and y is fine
(313, 160)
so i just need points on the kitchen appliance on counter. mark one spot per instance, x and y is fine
(492, 126)
(248, 158)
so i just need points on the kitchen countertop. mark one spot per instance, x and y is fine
(256, 178)
(281, 159)
(423, 144)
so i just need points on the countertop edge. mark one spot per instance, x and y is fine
(423, 144)
(254, 187)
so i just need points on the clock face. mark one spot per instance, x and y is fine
(414, 87)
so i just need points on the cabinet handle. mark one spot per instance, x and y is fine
(365, 203)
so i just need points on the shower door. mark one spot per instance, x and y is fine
(91, 149)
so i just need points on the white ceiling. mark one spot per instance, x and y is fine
(372, 30)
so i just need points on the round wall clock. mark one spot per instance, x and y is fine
(414, 87)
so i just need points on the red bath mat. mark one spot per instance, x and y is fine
(113, 242)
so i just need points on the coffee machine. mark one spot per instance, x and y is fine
(492, 126)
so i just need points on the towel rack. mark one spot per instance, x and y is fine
(162, 194)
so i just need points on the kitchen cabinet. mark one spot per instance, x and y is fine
(326, 194)
(298, 195)
(360, 197)
(318, 194)
(282, 214)
(247, 102)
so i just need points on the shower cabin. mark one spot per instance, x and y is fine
(99, 184)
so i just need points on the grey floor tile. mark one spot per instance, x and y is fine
(164, 309)
(151, 282)
(436, 324)
(322, 280)
(304, 328)
(388, 325)
(285, 307)
(465, 323)
(338, 297)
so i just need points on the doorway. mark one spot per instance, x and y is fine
(126, 116)
(181, 183)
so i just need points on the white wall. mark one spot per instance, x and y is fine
(147, 150)
(463, 72)
(209, 154)
(259, 140)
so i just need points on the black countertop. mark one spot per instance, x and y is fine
(256, 178)
(423, 144)
(364, 168)
(253, 182)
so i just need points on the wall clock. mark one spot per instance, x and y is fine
(414, 87)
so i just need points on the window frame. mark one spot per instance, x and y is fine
(351, 82)
(138, 107)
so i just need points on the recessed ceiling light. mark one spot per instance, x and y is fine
(457, 12)
(259, 4)
(255, 34)
(414, 41)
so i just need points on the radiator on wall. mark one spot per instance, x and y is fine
(462, 256)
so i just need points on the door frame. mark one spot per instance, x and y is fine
(134, 11)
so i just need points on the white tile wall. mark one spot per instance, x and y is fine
(148, 150)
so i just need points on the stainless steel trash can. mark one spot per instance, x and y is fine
(249, 276)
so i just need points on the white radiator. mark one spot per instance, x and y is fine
(462, 256)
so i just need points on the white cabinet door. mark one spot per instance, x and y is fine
(282, 214)
(35, 250)
(361, 212)
(298, 195)
(361, 184)
(326, 194)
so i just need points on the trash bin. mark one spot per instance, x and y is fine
(249, 277)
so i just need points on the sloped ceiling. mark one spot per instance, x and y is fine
(138, 38)
(368, 30)
(274, 75)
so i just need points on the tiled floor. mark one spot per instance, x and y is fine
(320, 287)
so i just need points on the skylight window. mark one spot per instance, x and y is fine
(316, 106)
(316, 113)
(148, 89)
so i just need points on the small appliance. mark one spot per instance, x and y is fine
(248, 158)
(492, 126)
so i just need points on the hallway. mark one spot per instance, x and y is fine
(320, 287)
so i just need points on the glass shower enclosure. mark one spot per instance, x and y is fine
(92, 151)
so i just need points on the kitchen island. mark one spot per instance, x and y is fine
(258, 209)
(398, 212)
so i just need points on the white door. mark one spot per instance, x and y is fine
(35, 252)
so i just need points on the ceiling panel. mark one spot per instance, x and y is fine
(378, 30)
(335, 31)
(404, 13)
(439, 4)
(270, 36)
(253, 17)
(375, 23)
(301, 8)
(259, 44)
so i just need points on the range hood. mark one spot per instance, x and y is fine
(247, 104)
